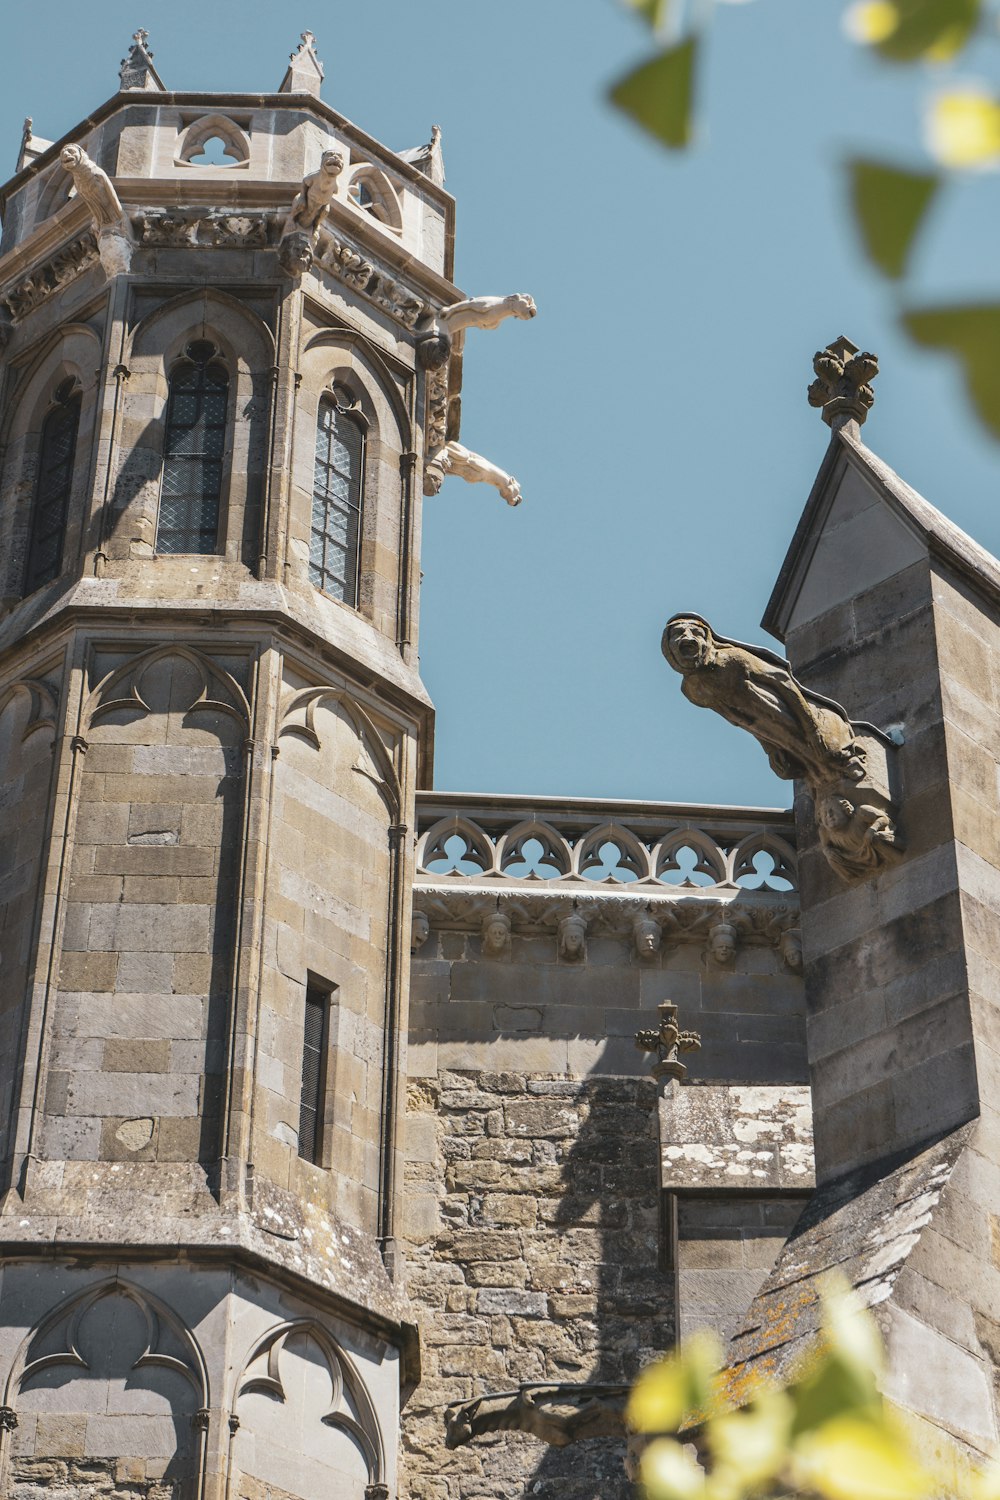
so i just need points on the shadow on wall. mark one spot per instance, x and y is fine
(106, 1397)
(533, 1199)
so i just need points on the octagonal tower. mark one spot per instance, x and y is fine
(230, 351)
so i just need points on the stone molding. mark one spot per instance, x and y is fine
(757, 919)
(51, 276)
(182, 228)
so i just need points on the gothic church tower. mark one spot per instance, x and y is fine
(229, 370)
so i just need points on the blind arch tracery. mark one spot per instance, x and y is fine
(56, 454)
(338, 487)
(194, 452)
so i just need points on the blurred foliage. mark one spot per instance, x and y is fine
(828, 1435)
(891, 203)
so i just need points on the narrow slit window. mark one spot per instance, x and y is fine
(56, 453)
(315, 1042)
(338, 478)
(193, 452)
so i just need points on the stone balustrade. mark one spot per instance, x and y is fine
(652, 848)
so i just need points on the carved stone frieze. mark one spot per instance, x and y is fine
(187, 227)
(718, 925)
(806, 737)
(363, 275)
(62, 268)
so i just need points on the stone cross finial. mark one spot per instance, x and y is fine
(668, 1041)
(137, 71)
(842, 388)
(304, 74)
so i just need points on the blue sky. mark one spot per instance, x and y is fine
(655, 410)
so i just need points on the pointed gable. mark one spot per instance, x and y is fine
(862, 524)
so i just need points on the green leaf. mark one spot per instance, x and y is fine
(926, 29)
(658, 95)
(651, 11)
(972, 334)
(673, 1388)
(889, 207)
(853, 1459)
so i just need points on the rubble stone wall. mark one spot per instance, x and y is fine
(532, 1193)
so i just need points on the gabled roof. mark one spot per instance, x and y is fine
(943, 540)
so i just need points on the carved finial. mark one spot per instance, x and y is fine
(668, 1041)
(842, 386)
(26, 129)
(137, 71)
(304, 74)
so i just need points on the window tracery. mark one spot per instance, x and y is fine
(371, 191)
(56, 452)
(210, 140)
(338, 486)
(193, 452)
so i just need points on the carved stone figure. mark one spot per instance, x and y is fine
(312, 202)
(436, 331)
(573, 937)
(304, 220)
(420, 931)
(496, 934)
(647, 936)
(790, 947)
(722, 942)
(802, 733)
(805, 736)
(295, 253)
(858, 838)
(94, 186)
(558, 1414)
(454, 459)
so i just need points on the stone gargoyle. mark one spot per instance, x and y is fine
(454, 459)
(94, 188)
(437, 329)
(310, 206)
(805, 736)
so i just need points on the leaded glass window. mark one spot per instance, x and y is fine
(335, 538)
(315, 1033)
(193, 452)
(55, 481)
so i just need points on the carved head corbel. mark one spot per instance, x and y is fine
(647, 936)
(496, 933)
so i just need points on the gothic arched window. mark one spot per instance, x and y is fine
(338, 479)
(193, 450)
(52, 491)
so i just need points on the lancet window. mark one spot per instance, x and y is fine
(315, 1044)
(55, 482)
(193, 452)
(338, 481)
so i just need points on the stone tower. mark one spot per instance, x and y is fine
(230, 366)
